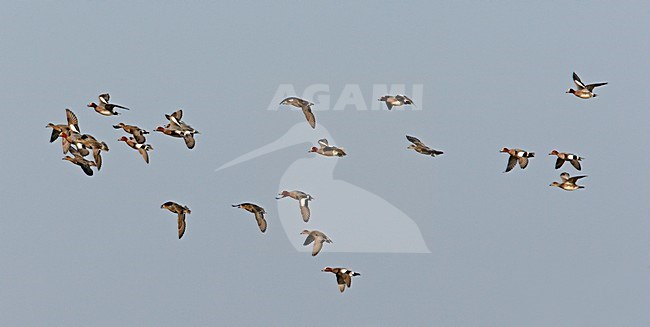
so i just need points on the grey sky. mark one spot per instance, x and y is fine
(507, 250)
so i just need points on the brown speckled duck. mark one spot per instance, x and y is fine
(180, 211)
(317, 237)
(303, 199)
(84, 142)
(517, 155)
(395, 101)
(343, 276)
(420, 147)
(568, 182)
(305, 106)
(257, 210)
(79, 160)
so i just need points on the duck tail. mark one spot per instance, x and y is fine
(531, 154)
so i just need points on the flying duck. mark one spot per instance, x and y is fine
(79, 160)
(317, 237)
(568, 182)
(104, 107)
(181, 211)
(395, 101)
(343, 276)
(257, 210)
(305, 106)
(563, 156)
(517, 155)
(584, 91)
(419, 147)
(142, 148)
(137, 132)
(303, 199)
(327, 150)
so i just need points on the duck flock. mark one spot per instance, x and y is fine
(80, 145)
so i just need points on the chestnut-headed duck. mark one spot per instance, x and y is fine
(104, 107)
(180, 210)
(71, 126)
(79, 160)
(303, 199)
(420, 147)
(142, 148)
(395, 101)
(175, 123)
(568, 182)
(517, 155)
(343, 276)
(317, 237)
(178, 128)
(328, 150)
(584, 91)
(257, 210)
(137, 132)
(305, 106)
(563, 156)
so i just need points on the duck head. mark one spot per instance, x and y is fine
(284, 194)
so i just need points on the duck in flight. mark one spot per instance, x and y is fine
(395, 101)
(303, 199)
(104, 107)
(343, 276)
(304, 105)
(584, 91)
(568, 182)
(420, 147)
(257, 211)
(517, 155)
(180, 210)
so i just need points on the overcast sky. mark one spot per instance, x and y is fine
(505, 249)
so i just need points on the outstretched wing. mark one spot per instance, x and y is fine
(578, 82)
(575, 179)
(181, 225)
(73, 122)
(310, 238)
(261, 222)
(512, 161)
(189, 141)
(310, 116)
(591, 87)
(144, 154)
(565, 176)
(323, 143)
(523, 162)
(576, 164)
(104, 97)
